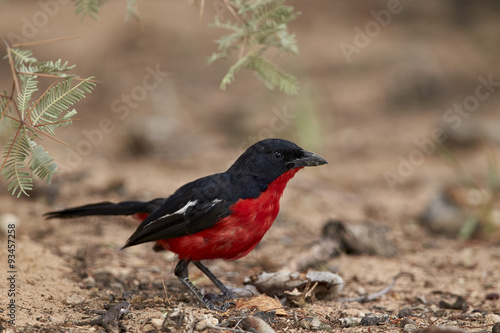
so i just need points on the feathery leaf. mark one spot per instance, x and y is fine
(22, 56)
(41, 164)
(29, 86)
(273, 75)
(47, 113)
(15, 154)
(89, 7)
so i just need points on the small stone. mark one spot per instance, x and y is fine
(74, 299)
(247, 291)
(117, 286)
(89, 282)
(493, 296)
(310, 323)
(149, 328)
(410, 328)
(404, 312)
(492, 318)
(206, 323)
(495, 328)
(374, 320)
(406, 321)
(329, 284)
(157, 323)
(350, 322)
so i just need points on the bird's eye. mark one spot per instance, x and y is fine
(277, 155)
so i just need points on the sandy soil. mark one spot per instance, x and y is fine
(365, 117)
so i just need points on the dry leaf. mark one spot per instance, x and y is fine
(262, 303)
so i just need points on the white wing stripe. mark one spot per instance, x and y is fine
(182, 210)
(179, 212)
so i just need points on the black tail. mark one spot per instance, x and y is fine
(107, 208)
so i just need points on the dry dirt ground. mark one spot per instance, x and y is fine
(367, 117)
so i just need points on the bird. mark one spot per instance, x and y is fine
(220, 216)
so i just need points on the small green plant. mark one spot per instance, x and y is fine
(481, 210)
(32, 116)
(258, 27)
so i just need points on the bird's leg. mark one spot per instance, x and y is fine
(228, 294)
(181, 272)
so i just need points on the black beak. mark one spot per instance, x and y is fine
(308, 159)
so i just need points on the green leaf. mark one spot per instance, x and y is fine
(89, 7)
(47, 113)
(15, 154)
(29, 86)
(21, 56)
(41, 164)
(5, 106)
(50, 67)
(469, 227)
(131, 10)
(229, 77)
(51, 110)
(273, 75)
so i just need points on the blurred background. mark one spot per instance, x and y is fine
(383, 85)
(401, 97)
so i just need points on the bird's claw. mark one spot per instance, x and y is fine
(226, 306)
(214, 298)
(223, 308)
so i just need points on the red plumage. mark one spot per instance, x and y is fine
(234, 236)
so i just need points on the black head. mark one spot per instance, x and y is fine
(266, 160)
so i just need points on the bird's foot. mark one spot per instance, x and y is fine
(216, 298)
(223, 308)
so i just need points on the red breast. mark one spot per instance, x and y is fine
(236, 235)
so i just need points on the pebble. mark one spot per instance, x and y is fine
(247, 291)
(495, 328)
(89, 282)
(374, 320)
(117, 286)
(404, 312)
(406, 321)
(206, 323)
(493, 296)
(75, 299)
(310, 323)
(492, 318)
(350, 322)
(149, 328)
(157, 323)
(410, 328)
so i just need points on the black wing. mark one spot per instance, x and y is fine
(194, 207)
(193, 218)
